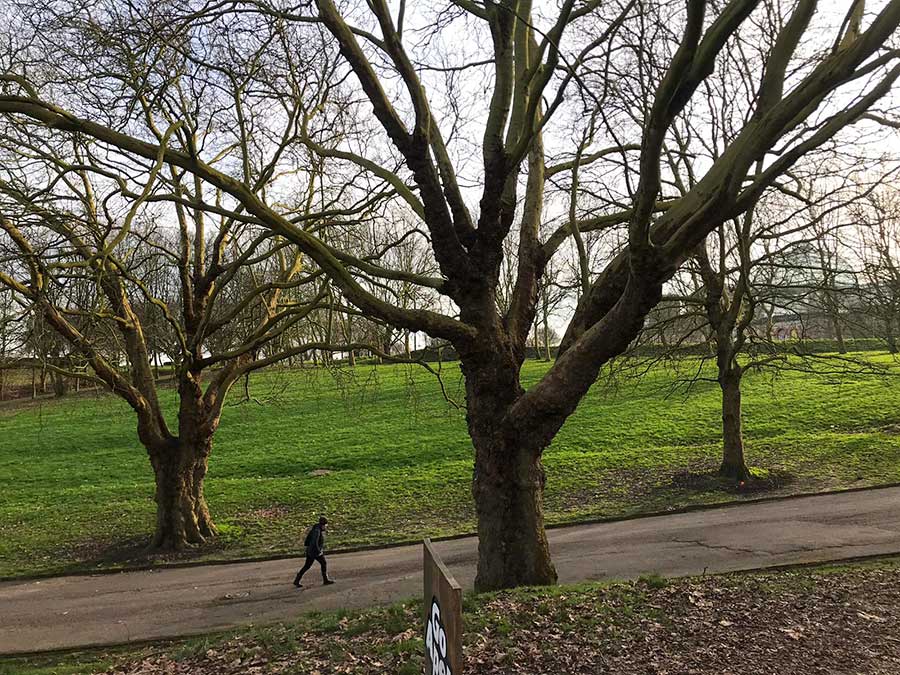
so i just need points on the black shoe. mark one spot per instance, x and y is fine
(328, 582)
(297, 584)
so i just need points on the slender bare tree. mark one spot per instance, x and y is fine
(879, 222)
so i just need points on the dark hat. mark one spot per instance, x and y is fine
(323, 520)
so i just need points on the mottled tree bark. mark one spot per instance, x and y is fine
(180, 464)
(182, 516)
(508, 488)
(733, 463)
(508, 481)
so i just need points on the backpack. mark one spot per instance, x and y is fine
(312, 537)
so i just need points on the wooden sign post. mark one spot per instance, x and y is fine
(443, 617)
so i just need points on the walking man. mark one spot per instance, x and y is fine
(315, 552)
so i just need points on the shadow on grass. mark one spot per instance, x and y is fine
(127, 552)
(708, 480)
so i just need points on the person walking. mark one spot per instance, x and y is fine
(315, 552)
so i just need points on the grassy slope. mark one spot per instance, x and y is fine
(76, 488)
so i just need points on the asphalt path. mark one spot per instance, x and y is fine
(106, 609)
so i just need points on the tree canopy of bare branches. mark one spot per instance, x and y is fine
(460, 115)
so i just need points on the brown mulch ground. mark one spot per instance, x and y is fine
(786, 623)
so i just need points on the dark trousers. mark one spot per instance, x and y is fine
(309, 561)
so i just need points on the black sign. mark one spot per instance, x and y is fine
(436, 641)
(443, 617)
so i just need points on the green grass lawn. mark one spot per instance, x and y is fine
(76, 488)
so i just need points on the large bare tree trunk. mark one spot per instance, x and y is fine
(182, 516)
(180, 463)
(733, 464)
(507, 486)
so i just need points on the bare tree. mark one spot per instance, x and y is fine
(827, 245)
(523, 64)
(879, 222)
(12, 316)
(778, 260)
(221, 322)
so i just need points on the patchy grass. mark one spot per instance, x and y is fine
(829, 619)
(381, 452)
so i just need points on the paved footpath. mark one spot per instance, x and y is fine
(103, 609)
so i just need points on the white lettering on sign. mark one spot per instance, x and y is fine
(436, 641)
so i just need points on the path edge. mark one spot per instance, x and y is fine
(690, 508)
(166, 641)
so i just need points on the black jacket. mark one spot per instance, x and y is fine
(315, 542)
